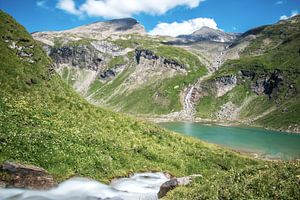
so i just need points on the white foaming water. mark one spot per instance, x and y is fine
(140, 186)
(188, 106)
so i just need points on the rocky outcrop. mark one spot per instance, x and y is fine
(247, 74)
(145, 53)
(84, 56)
(174, 182)
(150, 55)
(110, 74)
(267, 83)
(225, 84)
(23, 47)
(25, 176)
(150, 67)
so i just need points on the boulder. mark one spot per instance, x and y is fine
(174, 182)
(25, 176)
(166, 187)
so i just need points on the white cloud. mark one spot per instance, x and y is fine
(283, 17)
(293, 14)
(68, 6)
(123, 8)
(183, 28)
(42, 4)
(279, 2)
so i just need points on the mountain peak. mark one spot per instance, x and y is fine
(209, 34)
(114, 25)
(124, 20)
(206, 30)
(97, 30)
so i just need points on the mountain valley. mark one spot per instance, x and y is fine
(76, 108)
(209, 75)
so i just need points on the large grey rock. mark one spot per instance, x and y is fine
(26, 176)
(173, 183)
(166, 187)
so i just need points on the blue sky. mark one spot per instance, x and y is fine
(228, 15)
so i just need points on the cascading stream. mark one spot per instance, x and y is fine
(189, 110)
(140, 186)
(188, 105)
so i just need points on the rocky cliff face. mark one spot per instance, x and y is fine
(268, 83)
(225, 84)
(150, 55)
(151, 67)
(78, 56)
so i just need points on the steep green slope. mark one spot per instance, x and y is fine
(270, 63)
(44, 123)
(157, 86)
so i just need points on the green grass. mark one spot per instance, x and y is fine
(161, 96)
(171, 52)
(94, 87)
(108, 89)
(59, 42)
(286, 117)
(48, 125)
(210, 104)
(134, 40)
(158, 97)
(259, 105)
(182, 56)
(282, 54)
(118, 60)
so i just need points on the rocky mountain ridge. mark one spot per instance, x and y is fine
(209, 34)
(45, 124)
(97, 31)
(116, 71)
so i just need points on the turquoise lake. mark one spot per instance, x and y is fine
(265, 143)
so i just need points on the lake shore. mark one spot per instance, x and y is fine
(255, 142)
(171, 118)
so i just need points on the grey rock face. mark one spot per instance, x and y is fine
(267, 83)
(79, 56)
(174, 182)
(145, 53)
(124, 23)
(225, 84)
(150, 55)
(247, 74)
(107, 74)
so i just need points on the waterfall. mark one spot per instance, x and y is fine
(188, 106)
